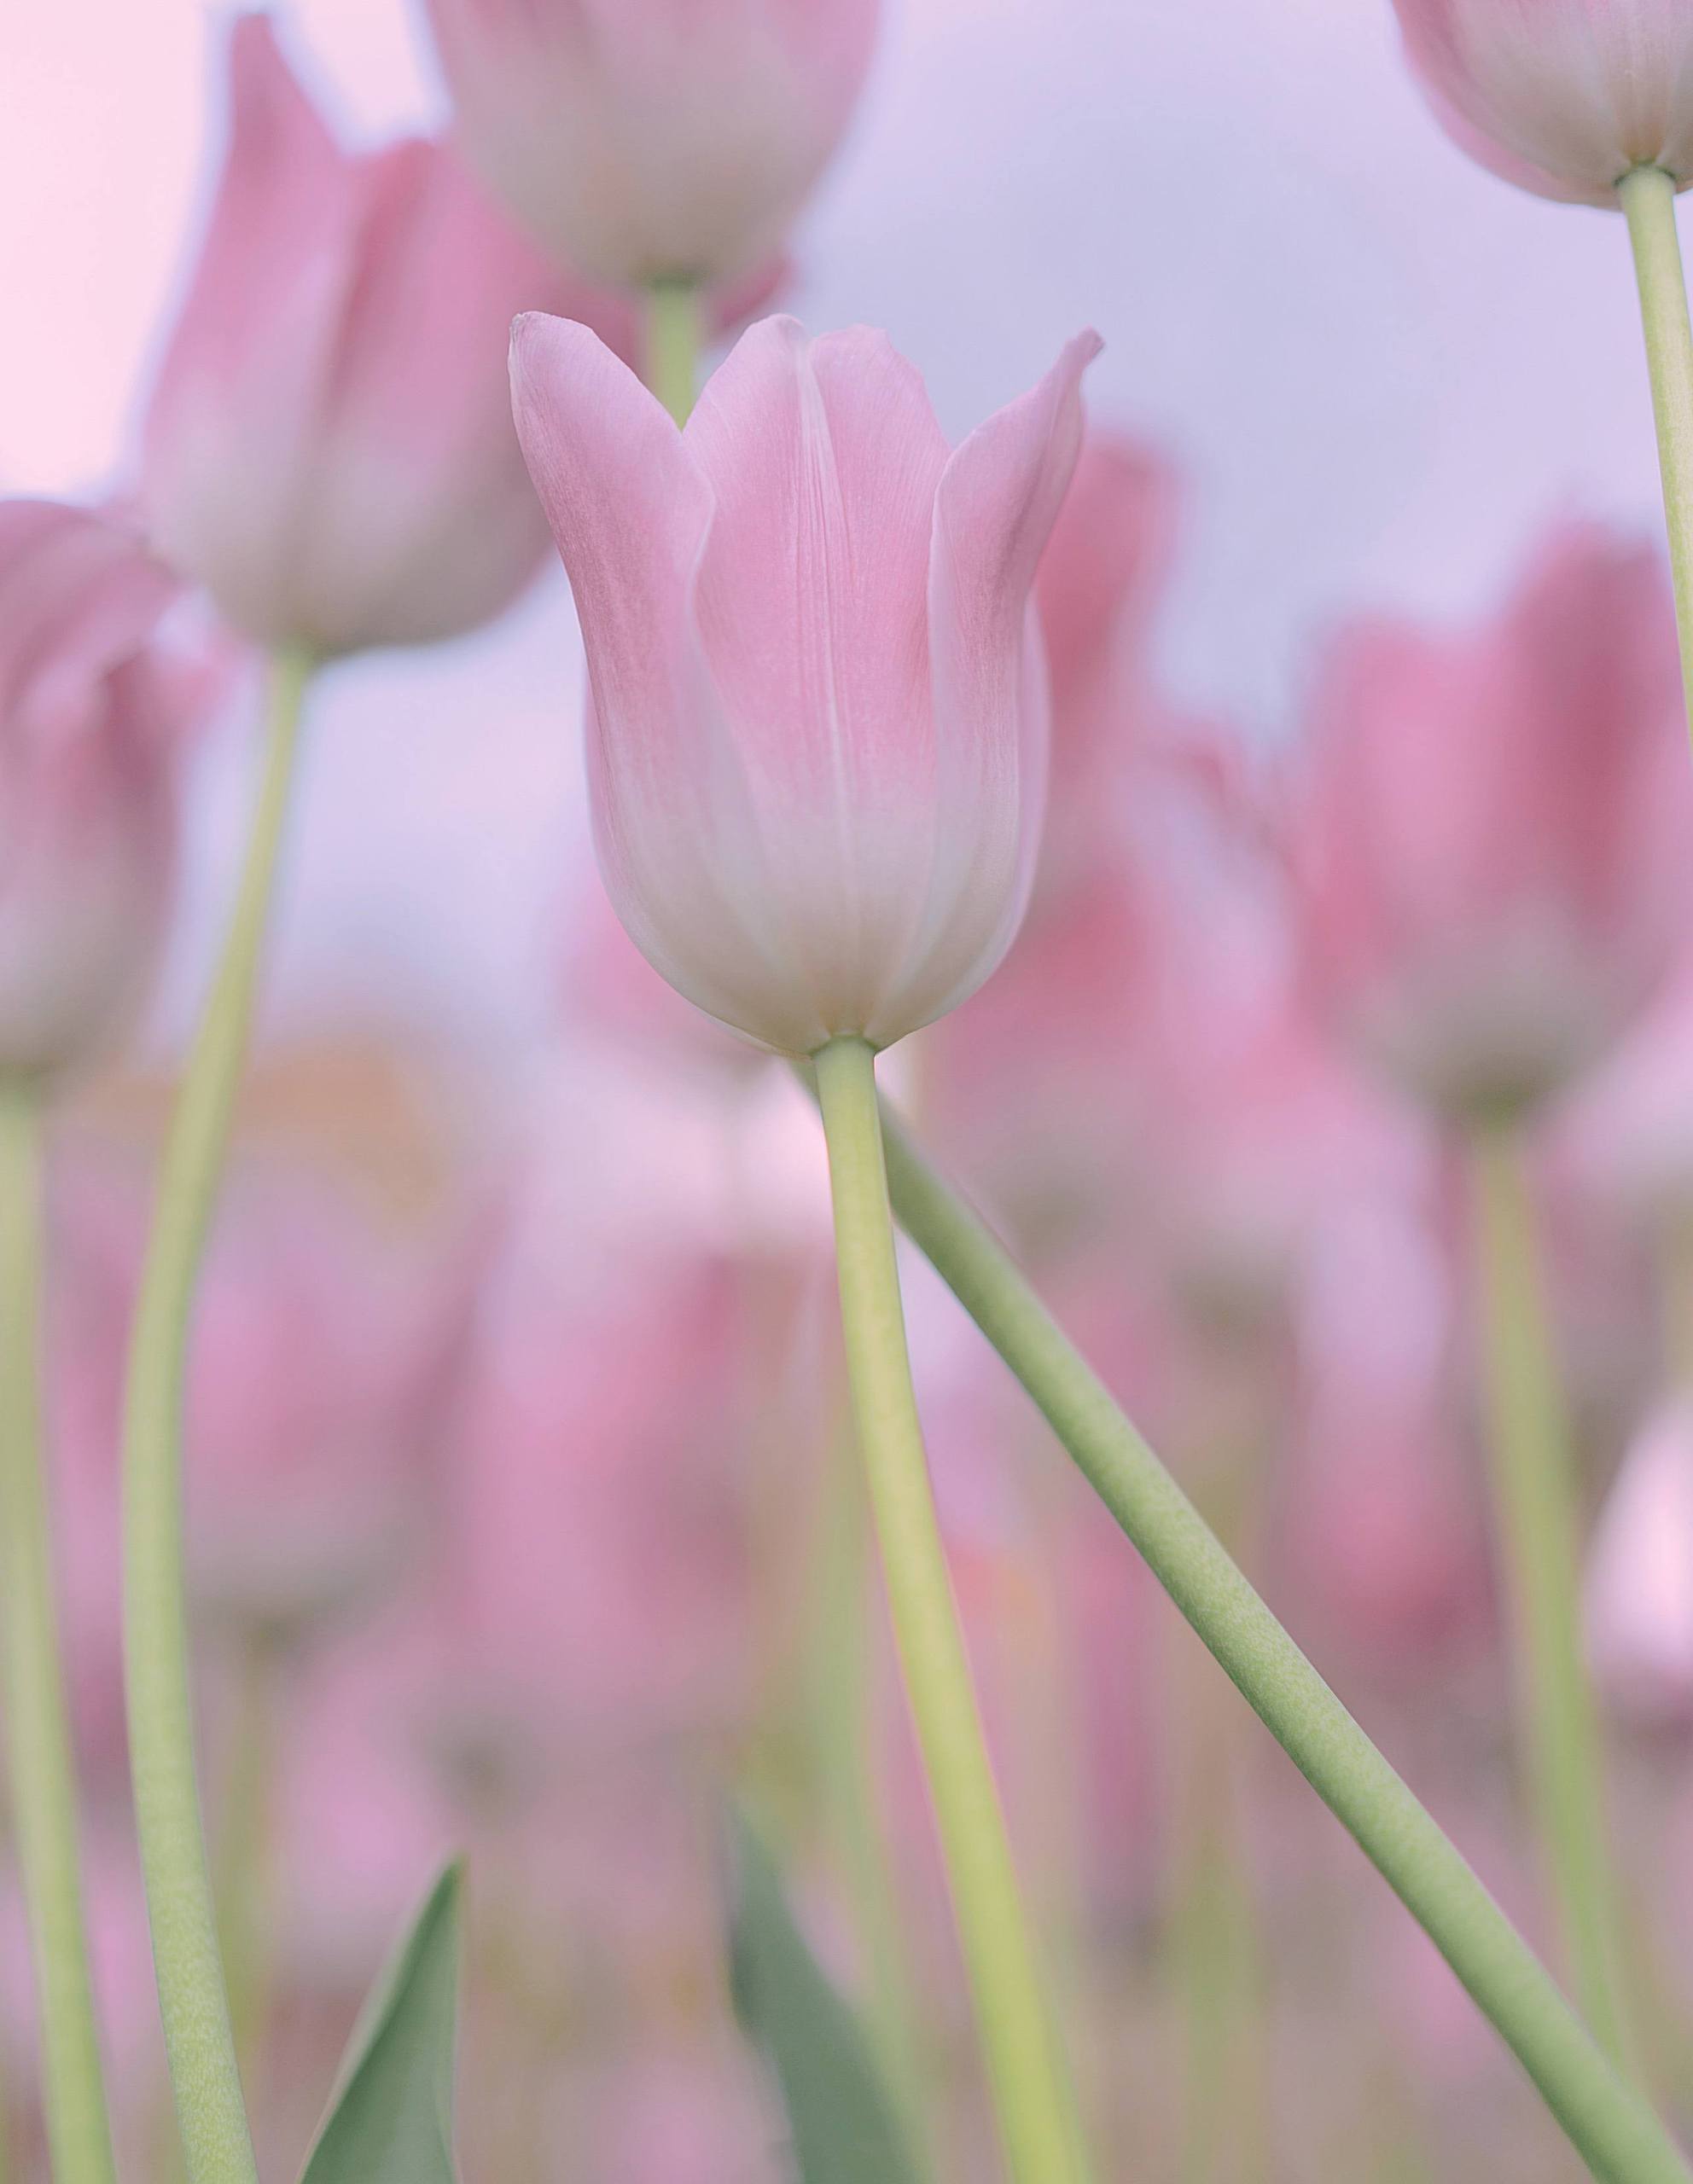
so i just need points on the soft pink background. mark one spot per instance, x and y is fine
(1381, 369)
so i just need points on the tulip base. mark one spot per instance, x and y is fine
(1034, 2107)
(41, 1768)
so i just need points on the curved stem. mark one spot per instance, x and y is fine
(41, 1768)
(673, 344)
(192, 1998)
(1036, 2115)
(1648, 196)
(1536, 1521)
(1619, 2139)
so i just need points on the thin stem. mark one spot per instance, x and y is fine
(843, 1705)
(38, 1735)
(673, 344)
(1036, 2115)
(1619, 2139)
(192, 1998)
(241, 1881)
(1538, 1527)
(1648, 196)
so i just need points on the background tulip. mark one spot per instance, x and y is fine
(655, 140)
(93, 704)
(818, 746)
(328, 447)
(1561, 96)
(1489, 841)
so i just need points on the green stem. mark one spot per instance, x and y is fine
(1622, 2141)
(843, 1706)
(1536, 1524)
(673, 344)
(40, 1753)
(241, 1882)
(1648, 196)
(193, 1998)
(1036, 2115)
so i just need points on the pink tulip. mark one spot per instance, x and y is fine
(327, 449)
(1561, 96)
(647, 140)
(817, 748)
(1640, 1578)
(1100, 580)
(93, 701)
(1490, 836)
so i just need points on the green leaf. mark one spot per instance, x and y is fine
(842, 2121)
(390, 2118)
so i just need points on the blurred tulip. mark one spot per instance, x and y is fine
(94, 702)
(1490, 843)
(655, 140)
(1100, 580)
(329, 448)
(1561, 96)
(1639, 1594)
(817, 749)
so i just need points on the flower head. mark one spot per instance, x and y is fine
(93, 706)
(817, 747)
(1561, 96)
(645, 140)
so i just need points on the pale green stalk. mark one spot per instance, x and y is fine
(844, 1711)
(192, 1998)
(1617, 2135)
(1648, 196)
(673, 344)
(1538, 1525)
(241, 1881)
(1031, 2102)
(41, 1767)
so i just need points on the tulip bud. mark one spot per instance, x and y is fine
(329, 448)
(1489, 845)
(655, 140)
(1560, 96)
(818, 733)
(92, 704)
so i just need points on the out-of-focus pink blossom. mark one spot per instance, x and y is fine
(94, 703)
(1561, 96)
(816, 750)
(1639, 1592)
(1100, 582)
(650, 140)
(1631, 1129)
(1490, 838)
(329, 448)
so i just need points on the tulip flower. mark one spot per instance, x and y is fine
(816, 759)
(1491, 839)
(1591, 101)
(654, 141)
(1561, 97)
(328, 447)
(817, 745)
(1491, 856)
(93, 704)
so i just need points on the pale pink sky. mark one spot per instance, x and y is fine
(1381, 369)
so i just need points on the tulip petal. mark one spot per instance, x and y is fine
(997, 501)
(824, 459)
(630, 512)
